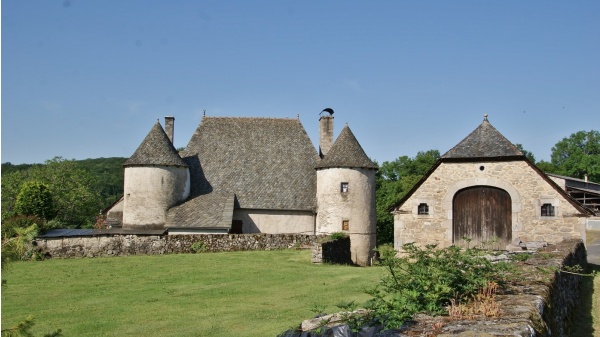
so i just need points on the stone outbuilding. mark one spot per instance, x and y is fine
(485, 191)
(252, 175)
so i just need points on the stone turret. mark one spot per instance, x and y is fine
(346, 195)
(156, 178)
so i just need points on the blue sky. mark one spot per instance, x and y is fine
(88, 79)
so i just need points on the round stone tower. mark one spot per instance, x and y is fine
(156, 179)
(346, 194)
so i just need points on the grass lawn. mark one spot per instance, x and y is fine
(258, 293)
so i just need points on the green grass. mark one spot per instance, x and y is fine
(215, 294)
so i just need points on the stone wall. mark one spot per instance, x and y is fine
(120, 245)
(527, 189)
(541, 302)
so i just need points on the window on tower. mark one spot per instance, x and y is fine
(344, 188)
(346, 225)
(423, 209)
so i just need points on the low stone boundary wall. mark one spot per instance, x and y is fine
(120, 245)
(542, 302)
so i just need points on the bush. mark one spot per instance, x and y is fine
(426, 280)
(9, 226)
(20, 245)
(337, 235)
(332, 237)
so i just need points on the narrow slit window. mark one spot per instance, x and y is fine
(345, 225)
(344, 187)
(548, 210)
(423, 209)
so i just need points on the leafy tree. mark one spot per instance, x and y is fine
(529, 155)
(35, 199)
(547, 167)
(108, 173)
(76, 199)
(578, 155)
(11, 186)
(75, 192)
(100, 178)
(393, 180)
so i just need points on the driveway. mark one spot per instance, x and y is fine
(593, 246)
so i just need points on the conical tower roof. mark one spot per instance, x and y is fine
(156, 149)
(484, 142)
(346, 152)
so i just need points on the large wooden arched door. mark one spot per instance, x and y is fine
(482, 214)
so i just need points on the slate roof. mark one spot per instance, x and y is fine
(156, 149)
(268, 163)
(483, 143)
(213, 210)
(346, 152)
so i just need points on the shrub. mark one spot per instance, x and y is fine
(332, 237)
(9, 226)
(20, 246)
(337, 235)
(198, 247)
(427, 280)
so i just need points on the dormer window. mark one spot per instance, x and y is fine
(548, 210)
(344, 188)
(423, 209)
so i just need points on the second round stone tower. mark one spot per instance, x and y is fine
(346, 191)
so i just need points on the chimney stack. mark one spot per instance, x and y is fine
(325, 134)
(170, 127)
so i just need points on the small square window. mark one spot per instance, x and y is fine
(344, 187)
(423, 209)
(345, 225)
(548, 210)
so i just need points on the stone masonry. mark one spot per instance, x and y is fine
(527, 189)
(120, 245)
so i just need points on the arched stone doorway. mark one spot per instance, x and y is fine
(482, 214)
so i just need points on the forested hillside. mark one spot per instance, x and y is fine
(78, 190)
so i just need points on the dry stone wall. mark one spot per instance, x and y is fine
(120, 245)
(541, 303)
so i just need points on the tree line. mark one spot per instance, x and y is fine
(62, 193)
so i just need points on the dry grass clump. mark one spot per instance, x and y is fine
(481, 304)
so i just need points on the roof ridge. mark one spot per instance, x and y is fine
(257, 118)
